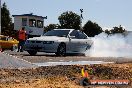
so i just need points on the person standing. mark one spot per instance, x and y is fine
(21, 38)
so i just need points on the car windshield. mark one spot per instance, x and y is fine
(60, 33)
(3, 38)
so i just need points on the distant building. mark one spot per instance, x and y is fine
(32, 23)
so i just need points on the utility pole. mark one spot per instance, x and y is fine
(81, 17)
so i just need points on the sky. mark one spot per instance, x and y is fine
(106, 13)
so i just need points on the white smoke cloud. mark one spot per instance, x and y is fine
(111, 46)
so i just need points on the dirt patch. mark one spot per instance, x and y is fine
(62, 76)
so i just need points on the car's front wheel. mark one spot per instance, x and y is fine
(61, 51)
(32, 52)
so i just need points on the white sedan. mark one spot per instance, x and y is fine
(60, 42)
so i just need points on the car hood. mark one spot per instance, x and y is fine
(47, 38)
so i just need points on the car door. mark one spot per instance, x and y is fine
(84, 42)
(3, 42)
(77, 42)
(7, 42)
(72, 44)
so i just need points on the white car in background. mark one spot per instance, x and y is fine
(60, 42)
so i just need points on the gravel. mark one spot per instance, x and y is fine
(58, 76)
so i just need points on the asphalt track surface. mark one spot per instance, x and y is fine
(12, 59)
(12, 62)
(47, 57)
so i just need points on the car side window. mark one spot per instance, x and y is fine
(75, 34)
(82, 35)
(9, 38)
(78, 35)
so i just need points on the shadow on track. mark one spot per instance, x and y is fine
(53, 55)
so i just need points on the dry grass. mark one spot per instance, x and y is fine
(61, 76)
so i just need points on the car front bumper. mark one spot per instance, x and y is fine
(49, 48)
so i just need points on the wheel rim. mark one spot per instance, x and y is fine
(62, 50)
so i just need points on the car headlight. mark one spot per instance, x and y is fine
(48, 42)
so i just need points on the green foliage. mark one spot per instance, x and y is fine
(115, 30)
(51, 27)
(6, 22)
(5, 18)
(69, 20)
(92, 29)
(107, 31)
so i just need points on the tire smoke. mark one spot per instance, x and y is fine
(116, 45)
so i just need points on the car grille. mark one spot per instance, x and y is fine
(35, 41)
(44, 42)
(32, 41)
(38, 41)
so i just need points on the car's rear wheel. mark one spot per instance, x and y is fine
(32, 52)
(61, 51)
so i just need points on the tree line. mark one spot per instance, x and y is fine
(71, 20)
(67, 20)
(7, 26)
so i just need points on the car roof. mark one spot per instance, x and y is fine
(5, 36)
(2, 36)
(66, 29)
